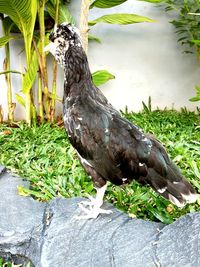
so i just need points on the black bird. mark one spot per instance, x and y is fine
(109, 147)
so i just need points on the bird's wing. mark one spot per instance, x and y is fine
(119, 150)
(110, 143)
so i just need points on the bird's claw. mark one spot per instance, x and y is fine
(91, 198)
(92, 211)
(92, 201)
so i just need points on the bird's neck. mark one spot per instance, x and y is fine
(76, 68)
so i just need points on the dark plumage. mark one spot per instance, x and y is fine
(110, 148)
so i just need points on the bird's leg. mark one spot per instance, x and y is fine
(95, 204)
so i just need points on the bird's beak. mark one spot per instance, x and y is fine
(49, 47)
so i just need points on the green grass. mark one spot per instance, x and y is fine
(44, 156)
(6, 264)
(11, 264)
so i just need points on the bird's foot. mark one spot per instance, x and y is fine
(92, 213)
(93, 209)
(92, 201)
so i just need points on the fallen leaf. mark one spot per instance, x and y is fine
(132, 215)
(6, 132)
(170, 208)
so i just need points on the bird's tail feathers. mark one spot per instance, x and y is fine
(174, 187)
(180, 193)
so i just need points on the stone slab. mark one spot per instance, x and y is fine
(50, 235)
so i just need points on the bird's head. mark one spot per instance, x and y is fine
(61, 39)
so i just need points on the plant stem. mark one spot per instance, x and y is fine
(57, 11)
(6, 65)
(41, 8)
(9, 87)
(28, 94)
(1, 114)
(33, 111)
(84, 23)
(40, 102)
(53, 100)
(28, 108)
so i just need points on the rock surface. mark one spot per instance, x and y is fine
(49, 235)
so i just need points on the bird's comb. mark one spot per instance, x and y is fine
(66, 29)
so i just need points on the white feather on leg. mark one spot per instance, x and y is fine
(94, 205)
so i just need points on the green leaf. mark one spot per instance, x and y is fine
(23, 13)
(8, 25)
(197, 88)
(194, 99)
(152, 1)
(30, 75)
(102, 76)
(10, 71)
(20, 100)
(120, 19)
(195, 169)
(197, 42)
(46, 42)
(64, 14)
(106, 3)
(197, 97)
(94, 38)
(5, 39)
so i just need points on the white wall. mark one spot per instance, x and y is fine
(145, 58)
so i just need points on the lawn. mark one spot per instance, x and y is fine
(43, 156)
